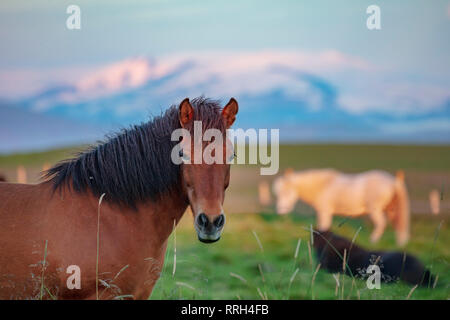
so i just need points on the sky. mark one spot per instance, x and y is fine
(310, 67)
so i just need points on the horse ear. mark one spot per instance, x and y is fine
(229, 112)
(185, 113)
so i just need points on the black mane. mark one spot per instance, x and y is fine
(133, 165)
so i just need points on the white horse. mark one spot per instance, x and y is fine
(376, 193)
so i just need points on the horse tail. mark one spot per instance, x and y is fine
(401, 217)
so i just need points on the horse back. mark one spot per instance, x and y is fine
(22, 209)
(355, 194)
(20, 203)
(34, 224)
(379, 188)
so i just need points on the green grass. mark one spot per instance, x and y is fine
(345, 157)
(203, 271)
(366, 157)
(37, 159)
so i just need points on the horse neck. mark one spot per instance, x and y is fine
(161, 216)
(149, 225)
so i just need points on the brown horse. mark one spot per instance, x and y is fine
(117, 242)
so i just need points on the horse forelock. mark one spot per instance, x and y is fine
(133, 165)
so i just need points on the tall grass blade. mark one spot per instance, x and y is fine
(98, 244)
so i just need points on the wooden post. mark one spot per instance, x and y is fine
(264, 193)
(435, 201)
(21, 174)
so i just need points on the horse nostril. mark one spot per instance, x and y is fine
(219, 221)
(202, 220)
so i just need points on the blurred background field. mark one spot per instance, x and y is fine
(427, 167)
(255, 257)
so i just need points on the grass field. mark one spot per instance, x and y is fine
(255, 259)
(236, 267)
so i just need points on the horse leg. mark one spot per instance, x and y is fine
(324, 220)
(379, 221)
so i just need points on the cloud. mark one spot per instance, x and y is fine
(25, 82)
(125, 74)
(396, 98)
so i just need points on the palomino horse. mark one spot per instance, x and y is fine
(329, 192)
(50, 230)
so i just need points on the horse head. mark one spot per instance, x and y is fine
(205, 167)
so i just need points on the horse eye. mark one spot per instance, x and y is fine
(180, 153)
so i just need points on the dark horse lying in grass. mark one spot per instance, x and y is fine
(118, 244)
(393, 265)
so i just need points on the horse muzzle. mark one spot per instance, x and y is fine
(209, 227)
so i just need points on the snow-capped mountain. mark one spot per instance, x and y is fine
(312, 96)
